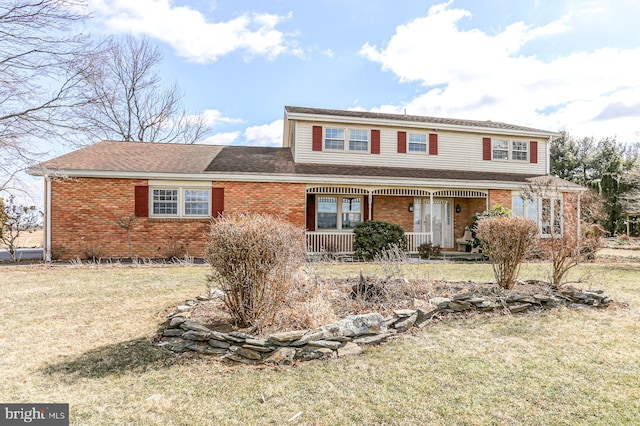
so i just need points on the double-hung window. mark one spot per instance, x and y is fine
(338, 212)
(341, 139)
(334, 139)
(505, 149)
(180, 202)
(545, 211)
(417, 142)
(500, 148)
(519, 150)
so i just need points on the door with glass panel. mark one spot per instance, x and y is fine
(435, 219)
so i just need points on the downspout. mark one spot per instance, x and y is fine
(578, 227)
(47, 219)
(549, 155)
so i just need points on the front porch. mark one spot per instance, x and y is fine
(340, 246)
(436, 216)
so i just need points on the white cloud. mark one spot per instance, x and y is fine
(190, 33)
(265, 135)
(472, 74)
(228, 138)
(213, 117)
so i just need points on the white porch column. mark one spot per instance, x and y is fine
(431, 216)
(370, 204)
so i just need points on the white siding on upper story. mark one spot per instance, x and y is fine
(456, 151)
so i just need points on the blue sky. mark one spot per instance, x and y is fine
(558, 65)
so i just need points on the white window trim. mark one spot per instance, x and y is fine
(538, 219)
(510, 151)
(345, 144)
(338, 227)
(181, 202)
(426, 144)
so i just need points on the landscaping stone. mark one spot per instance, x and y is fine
(168, 332)
(406, 323)
(349, 349)
(259, 348)
(196, 335)
(176, 321)
(281, 356)
(195, 326)
(331, 344)
(219, 344)
(248, 353)
(349, 335)
(371, 340)
(288, 336)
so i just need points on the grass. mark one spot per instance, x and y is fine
(82, 336)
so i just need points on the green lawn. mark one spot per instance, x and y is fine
(82, 336)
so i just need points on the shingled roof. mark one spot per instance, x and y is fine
(124, 158)
(114, 156)
(414, 119)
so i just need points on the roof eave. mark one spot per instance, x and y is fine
(285, 178)
(301, 116)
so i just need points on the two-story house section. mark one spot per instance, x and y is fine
(334, 170)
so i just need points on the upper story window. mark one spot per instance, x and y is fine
(334, 139)
(500, 149)
(338, 212)
(504, 149)
(417, 142)
(519, 150)
(180, 202)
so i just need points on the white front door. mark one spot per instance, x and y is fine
(435, 219)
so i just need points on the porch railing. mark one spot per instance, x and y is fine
(342, 242)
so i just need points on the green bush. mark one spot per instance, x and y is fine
(374, 236)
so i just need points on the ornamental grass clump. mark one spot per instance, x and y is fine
(506, 241)
(255, 259)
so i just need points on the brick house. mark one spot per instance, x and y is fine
(335, 169)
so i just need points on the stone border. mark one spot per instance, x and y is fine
(349, 335)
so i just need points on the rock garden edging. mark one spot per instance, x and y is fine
(349, 335)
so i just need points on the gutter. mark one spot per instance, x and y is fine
(281, 178)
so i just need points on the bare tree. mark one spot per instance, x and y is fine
(39, 76)
(15, 220)
(570, 239)
(126, 100)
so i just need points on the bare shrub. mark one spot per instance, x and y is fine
(93, 251)
(308, 305)
(126, 223)
(506, 241)
(255, 259)
(577, 240)
(175, 249)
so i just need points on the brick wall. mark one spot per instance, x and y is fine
(285, 199)
(84, 213)
(394, 210)
(570, 211)
(499, 196)
(468, 207)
